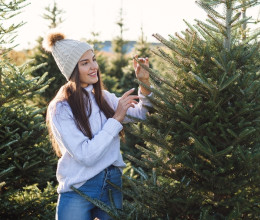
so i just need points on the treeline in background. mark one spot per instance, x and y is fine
(197, 154)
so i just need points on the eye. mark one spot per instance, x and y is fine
(94, 59)
(85, 63)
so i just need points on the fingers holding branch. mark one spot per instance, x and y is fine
(125, 102)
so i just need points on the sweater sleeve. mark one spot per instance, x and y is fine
(139, 111)
(80, 147)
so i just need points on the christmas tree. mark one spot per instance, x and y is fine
(26, 158)
(127, 82)
(54, 16)
(118, 62)
(142, 49)
(202, 140)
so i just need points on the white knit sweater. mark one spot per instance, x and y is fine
(83, 158)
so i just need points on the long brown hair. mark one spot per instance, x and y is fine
(80, 104)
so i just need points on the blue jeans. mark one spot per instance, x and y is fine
(72, 206)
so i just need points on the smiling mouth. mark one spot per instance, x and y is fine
(92, 74)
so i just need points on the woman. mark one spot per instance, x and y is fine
(85, 122)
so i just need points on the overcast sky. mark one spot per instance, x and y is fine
(84, 16)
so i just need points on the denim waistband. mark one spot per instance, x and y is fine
(110, 167)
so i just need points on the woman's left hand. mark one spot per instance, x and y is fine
(141, 74)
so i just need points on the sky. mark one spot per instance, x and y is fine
(82, 17)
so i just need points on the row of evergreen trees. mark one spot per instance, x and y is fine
(196, 155)
(26, 165)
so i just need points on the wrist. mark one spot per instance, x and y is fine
(147, 82)
(144, 90)
(117, 118)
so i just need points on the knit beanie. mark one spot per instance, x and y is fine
(66, 52)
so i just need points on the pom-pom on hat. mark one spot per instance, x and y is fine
(66, 52)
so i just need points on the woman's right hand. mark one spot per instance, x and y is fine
(125, 102)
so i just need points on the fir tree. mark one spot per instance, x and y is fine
(142, 49)
(26, 156)
(115, 71)
(54, 16)
(202, 141)
(127, 82)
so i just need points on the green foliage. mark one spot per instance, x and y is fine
(201, 158)
(115, 72)
(8, 9)
(54, 15)
(39, 56)
(129, 213)
(29, 203)
(26, 155)
(127, 82)
(142, 49)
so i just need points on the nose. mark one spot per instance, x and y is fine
(94, 65)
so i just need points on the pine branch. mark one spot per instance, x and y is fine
(136, 161)
(177, 64)
(246, 4)
(211, 28)
(109, 210)
(166, 56)
(229, 81)
(253, 37)
(241, 22)
(192, 42)
(169, 44)
(208, 33)
(236, 17)
(217, 23)
(157, 77)
(162, 166)
(210, 10)
(190, 26)
(212, 88)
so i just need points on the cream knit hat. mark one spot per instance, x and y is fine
(66, 52)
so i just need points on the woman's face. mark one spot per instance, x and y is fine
(88, 68)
